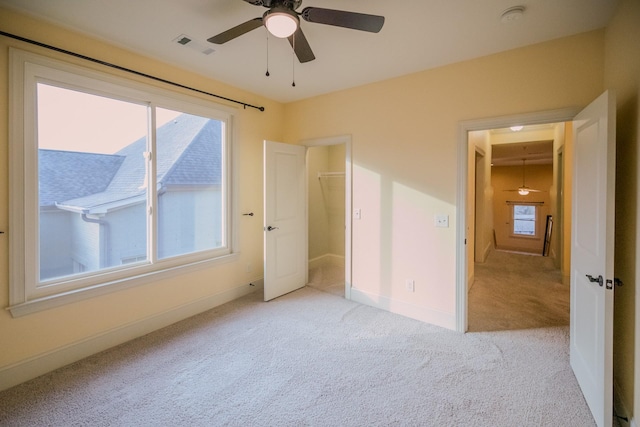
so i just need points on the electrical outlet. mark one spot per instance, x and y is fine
(410, 285)
(249, 268)
(442, 221)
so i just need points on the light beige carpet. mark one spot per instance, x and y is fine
(310, 358)
(517, 291)
(328, 277)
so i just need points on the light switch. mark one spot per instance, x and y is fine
(357, 214)
(442, 221)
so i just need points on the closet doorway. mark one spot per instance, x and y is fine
(329, 224)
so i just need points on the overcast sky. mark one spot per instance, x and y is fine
(75, 121)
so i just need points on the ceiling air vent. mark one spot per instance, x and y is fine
(185, 40)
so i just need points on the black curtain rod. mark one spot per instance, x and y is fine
(128, 70)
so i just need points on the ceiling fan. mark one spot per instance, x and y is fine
(282, 21)
(523, 190)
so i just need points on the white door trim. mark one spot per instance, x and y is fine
(464, 127)
(335, 140)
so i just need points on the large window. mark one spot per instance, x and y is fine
(114, 182)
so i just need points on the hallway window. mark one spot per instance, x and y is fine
(524, 219)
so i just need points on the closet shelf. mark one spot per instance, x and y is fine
(330, 175)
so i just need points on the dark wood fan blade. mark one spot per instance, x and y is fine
(236, 31)
(301, 46)
(342, 18)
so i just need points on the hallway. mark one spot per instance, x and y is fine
(517, 291)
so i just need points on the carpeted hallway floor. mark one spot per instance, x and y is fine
(517, 291)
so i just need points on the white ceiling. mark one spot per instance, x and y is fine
(417, 35)
(533, 143)
(533, 152)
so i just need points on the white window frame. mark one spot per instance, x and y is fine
(536, 205)
(26, 293)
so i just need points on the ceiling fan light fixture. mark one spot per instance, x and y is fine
(523, 191)
(281, 22)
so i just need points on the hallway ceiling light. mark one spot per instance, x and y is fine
(517, 128)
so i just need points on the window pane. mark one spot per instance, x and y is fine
(190, 171)
(524, 220)
(91, 189)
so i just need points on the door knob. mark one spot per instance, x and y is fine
(599, 280)
(270, 228)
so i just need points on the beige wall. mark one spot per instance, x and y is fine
(26, 338)
(622, 74)
(404, 145)
(506, 178)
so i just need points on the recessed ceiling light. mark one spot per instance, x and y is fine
(512, 14)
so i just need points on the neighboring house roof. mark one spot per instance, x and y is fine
(187, 151)
(190, 167)
(66, 175)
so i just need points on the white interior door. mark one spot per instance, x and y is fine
(592, 241)
(285, 224)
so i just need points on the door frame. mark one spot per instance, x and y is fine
(464, 127)
(336, 140)
(478, 252)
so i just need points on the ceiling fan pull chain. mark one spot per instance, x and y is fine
(293, 61)
(267, 73)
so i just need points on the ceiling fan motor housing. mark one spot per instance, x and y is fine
(289, 4)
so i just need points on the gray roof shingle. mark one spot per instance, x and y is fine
(200, 163)
(68, 175)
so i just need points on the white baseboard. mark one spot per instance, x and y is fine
(486, 251)
(434, 317)
(620, 407)
(41, 364)
(326, 259)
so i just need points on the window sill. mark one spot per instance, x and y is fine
(44, 303)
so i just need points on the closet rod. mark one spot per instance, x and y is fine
(128, 70)
(330, 174)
